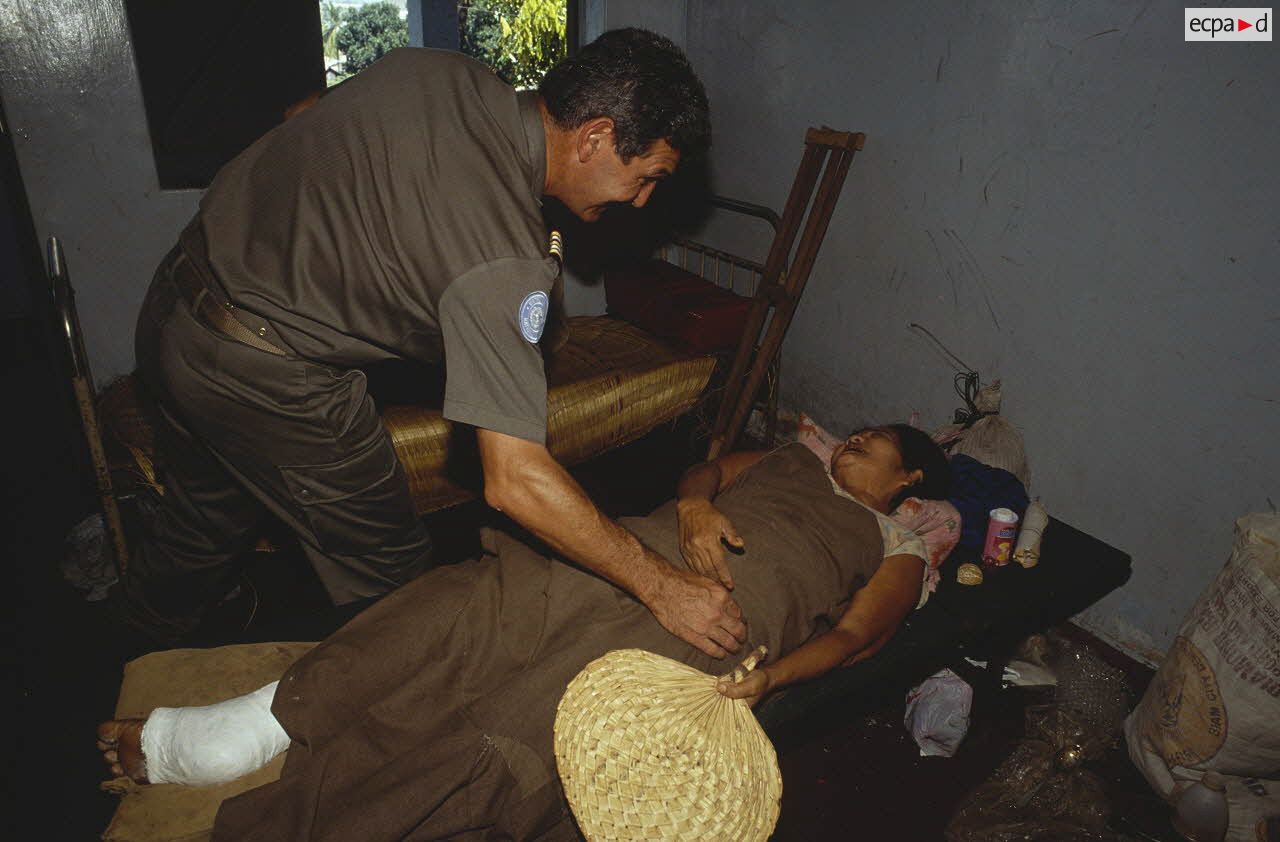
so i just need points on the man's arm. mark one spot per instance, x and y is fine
(873, 615)
(523, 480)
(702, 525)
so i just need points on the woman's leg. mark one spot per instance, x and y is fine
(196, 746)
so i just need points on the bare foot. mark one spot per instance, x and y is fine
(120, 742)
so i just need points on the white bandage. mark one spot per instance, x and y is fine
(215, 743)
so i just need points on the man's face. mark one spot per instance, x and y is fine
(602, 180)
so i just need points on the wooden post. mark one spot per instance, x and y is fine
(82, 385)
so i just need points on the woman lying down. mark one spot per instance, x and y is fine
(430, 715)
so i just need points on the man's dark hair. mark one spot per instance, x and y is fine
(918, 450)
(641, 81)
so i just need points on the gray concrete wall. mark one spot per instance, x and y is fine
(80, 132)
(1077, 203)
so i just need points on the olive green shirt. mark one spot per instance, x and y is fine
(400, 216)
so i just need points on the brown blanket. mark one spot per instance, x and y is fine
(430, 715)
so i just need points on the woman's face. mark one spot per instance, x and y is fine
(869, 463)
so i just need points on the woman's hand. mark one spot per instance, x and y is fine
(702, 527)
(752, 687)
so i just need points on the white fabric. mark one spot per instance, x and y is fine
(199, 746)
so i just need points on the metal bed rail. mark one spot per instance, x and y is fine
(728, 270)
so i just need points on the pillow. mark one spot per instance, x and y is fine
(938, 523)
(815, 438)
(674, 304)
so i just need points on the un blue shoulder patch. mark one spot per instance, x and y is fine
(533, 315)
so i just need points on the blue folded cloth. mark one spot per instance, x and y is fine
(976, 489)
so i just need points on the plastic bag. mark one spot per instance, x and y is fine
(982, 434)
(88, 563)
(1040, 792)
(994, 441)
(938, 713)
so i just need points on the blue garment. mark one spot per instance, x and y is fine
(976, 489)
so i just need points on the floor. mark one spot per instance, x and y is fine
(862, 777)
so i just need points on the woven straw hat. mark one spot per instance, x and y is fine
(648, 749)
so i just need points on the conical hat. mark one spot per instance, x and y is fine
(648, 749)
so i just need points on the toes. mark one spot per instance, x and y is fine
(119, 740)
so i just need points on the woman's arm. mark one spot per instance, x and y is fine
(873, 615)
(702, 525)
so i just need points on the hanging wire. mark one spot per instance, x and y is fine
(967, 383)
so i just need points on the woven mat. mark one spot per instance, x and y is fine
(609, 385)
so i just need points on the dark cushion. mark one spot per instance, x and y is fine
(690, 312)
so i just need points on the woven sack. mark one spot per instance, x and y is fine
(1215, 700)
(648, 749)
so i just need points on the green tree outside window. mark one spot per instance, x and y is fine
(519, 39)
(368, 33)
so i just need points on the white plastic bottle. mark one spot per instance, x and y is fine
(1200, 814)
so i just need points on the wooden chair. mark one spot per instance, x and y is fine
(680, 295)
(823, 168)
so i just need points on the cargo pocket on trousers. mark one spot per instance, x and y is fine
(355, 505)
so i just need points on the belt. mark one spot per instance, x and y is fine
(198, 287)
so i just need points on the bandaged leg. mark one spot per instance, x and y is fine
(199, 746)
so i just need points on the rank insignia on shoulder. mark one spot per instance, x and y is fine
(533, 315)
(555, 247)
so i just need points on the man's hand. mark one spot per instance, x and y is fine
(702, 527)
(698, 611)
(521, 479)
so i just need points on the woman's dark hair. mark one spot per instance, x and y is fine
(641, 81)
(920, 451)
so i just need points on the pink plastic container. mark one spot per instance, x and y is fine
(1002, 529)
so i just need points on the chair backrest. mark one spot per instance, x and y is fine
(827, 156)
